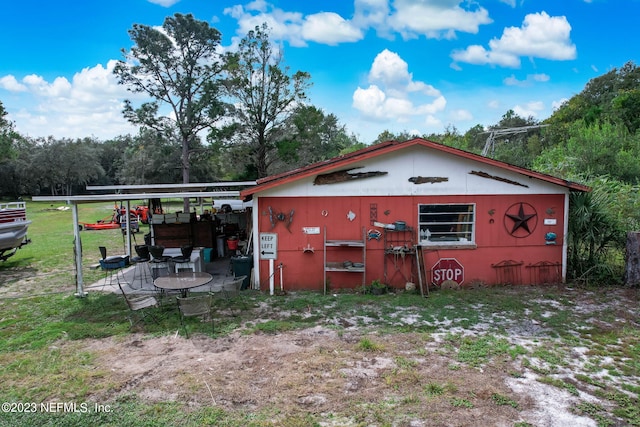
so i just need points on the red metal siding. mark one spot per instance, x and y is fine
(494, 244)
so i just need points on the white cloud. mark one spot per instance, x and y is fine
(410, 18)
(89, 104)
(439, 19)
(530, 109)
(530, 79)
(326, 27)
(370, 101)
(259, 5)
(329, 28)
(461, 115)
(512, 81)
(282, 25)
(393, 72)
(432, 122)
(39, 86)
(393, 94)
(11, 84)
(540, 36)
(165, 3)
(541, 77)
(557, 104)
(371, 13)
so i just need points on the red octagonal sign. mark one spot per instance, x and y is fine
(447, 269)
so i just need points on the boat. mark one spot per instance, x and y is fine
(13, 228)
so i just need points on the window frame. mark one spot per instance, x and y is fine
(466, 227)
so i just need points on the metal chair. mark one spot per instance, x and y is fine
(112, 266)
(195, 306)
(232, 288)
(140, 304)
(179, 262)
(141, 272)
(158, 261)
(229, 290)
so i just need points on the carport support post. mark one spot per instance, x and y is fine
(272, 283)
(128, 251)
(78, 252)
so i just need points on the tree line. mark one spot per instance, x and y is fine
(245, 115)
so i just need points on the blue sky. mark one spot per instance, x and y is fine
(400, 65)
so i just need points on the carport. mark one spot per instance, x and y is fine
(127, 193)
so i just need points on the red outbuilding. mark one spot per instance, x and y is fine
(404, 212)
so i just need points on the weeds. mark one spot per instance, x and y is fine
(502, 400)
(366, 344)
(594, 411)
(461, 403)
(433, 389)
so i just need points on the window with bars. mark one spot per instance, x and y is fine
(446, 224)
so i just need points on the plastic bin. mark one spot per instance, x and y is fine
(232, 243)
(207, 252)
(241, 266)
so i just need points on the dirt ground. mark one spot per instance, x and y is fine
(406, 380)
(317, 371)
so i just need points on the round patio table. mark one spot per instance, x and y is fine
(183, 281)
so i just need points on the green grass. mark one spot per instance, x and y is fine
(477, 351)
(51, 249)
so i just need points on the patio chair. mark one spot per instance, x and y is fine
(158, 261)
(141, 271)
(183, 261)
(112, 267)
(231, 289)
(195, 306)
(140, 305)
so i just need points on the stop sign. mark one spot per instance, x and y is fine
(447, 269)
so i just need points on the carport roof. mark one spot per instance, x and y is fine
(91, 198)
(151, 191)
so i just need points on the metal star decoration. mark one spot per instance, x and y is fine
(521, 219)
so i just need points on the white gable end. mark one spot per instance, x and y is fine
(418, 171)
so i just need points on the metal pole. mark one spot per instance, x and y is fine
(78, 252)
(128, 252)
(271, 278)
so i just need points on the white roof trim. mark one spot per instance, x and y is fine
(89, 198)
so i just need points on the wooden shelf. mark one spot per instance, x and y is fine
(338, 266)
(350, 243)
(347, 249)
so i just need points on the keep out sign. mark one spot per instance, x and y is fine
(447, 269)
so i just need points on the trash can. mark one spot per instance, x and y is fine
(220, 246)
(241, 266)
(207, 252)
